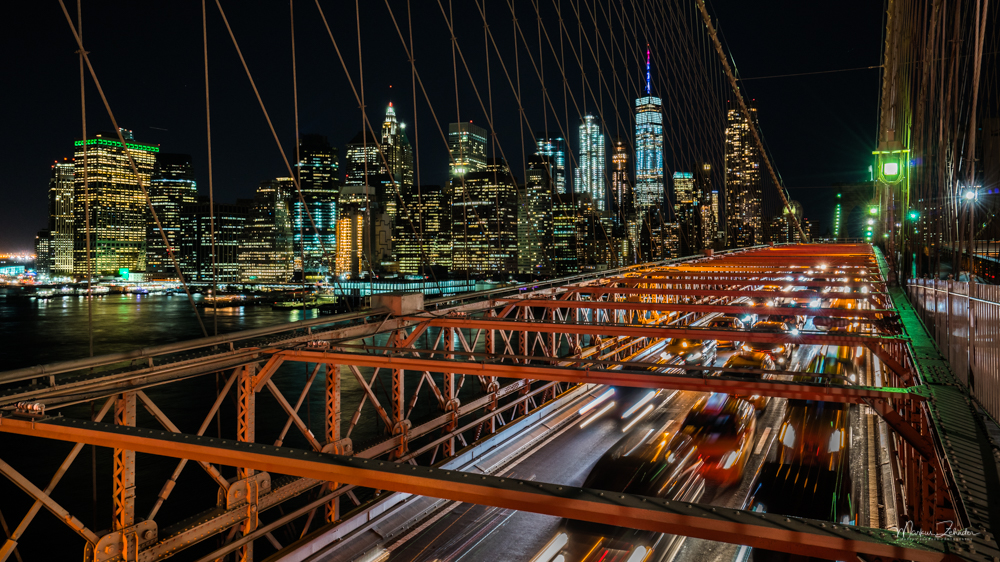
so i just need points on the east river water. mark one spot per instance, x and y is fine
(35, 332)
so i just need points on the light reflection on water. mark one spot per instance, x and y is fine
(46, 330)
(37, 332)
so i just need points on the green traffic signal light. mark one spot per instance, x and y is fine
(914, 215)
(873, 210)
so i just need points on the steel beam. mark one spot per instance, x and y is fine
(602, 290)
(124, 467)
(759, 530)
(153, 409)
(812, 338)
(332, 417)
(50, 504)
(724, 309)
(168, 486)
(623, 377)
(154, 351)
(246, 430)
(298, 404)
(11, 544)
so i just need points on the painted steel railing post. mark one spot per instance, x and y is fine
(947, 322)
(332, 411)
(522, 339)
(124, 469)
(400, 425)
(492, 385)
(972, 329)
(450, 405)
(246, 429)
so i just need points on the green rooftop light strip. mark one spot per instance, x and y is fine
(106, 142)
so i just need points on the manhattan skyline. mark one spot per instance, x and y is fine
(244, 154)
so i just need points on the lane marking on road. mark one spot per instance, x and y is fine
(763, 439)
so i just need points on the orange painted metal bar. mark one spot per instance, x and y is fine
(623, 377)
(759, 530)
(548, 327)
(709, 279)
(725, 309)
(710, 293)
(727, 272)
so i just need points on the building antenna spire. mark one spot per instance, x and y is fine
(648, 78)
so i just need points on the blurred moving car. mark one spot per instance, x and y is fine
(791, 318)
(728, 323)
(830, 322)
(723, 429)
(808, 472)
(692, 352)
(649, 461)
(736, 367)
(779, 352)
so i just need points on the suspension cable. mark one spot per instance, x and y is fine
(135, 169)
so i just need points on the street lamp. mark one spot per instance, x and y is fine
(971, 195)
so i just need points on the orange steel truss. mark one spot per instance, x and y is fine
(477, 365)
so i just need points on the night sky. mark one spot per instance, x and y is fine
(820, 128)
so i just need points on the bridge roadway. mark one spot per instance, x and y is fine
(517, 341)
(455, 531)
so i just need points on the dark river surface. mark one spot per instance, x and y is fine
(35, 332)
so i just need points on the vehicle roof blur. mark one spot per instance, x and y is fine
(684, 342)
(719, 409)
(748, 360)
(770, 326)
(717, 403)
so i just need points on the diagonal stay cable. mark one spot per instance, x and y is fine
(135, 169)
(281, 149)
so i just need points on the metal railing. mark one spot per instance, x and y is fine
(953, 310)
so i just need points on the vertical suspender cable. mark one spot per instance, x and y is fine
(745, 111)
(211, 187)
(86, 215)
(86, 187)
(367, 220)
(135, 169)
(298, 157)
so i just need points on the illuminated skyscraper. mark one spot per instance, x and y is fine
(61, 218)
(362, 163)
(43, 252)
(621, 194)
(536, 244)
(398, 163)
(115, 203)
(743, 186)
(484, 221)
(782, 228)
(467, 144)
(319, 179)
(649, 182)
(421, 240)
(368, 231)
(684, 189)
(686, 211)
(266, 255)
(365, 166)
(555, 149)
(171, 187)
(591, 164)
(230, 224)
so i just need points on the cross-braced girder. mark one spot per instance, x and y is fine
(604, 330)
